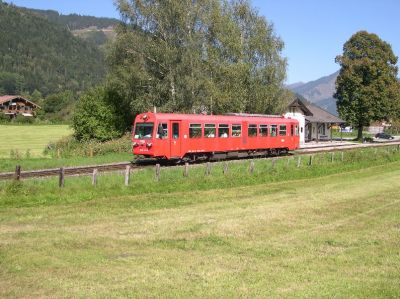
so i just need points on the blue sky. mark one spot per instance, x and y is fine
(313, 31)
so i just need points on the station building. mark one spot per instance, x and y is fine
(315, 123)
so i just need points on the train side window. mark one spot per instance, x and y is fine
(223, 131)
(296, 131)
(282, 130)
(274, 130)
(236, 130)
(175, 130)
(291, 130)
(252, 131)
(195, 131)
(210, 131)
(263, 130)
(162, 131)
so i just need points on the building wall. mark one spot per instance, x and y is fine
(323, 134)
(375, 129)
(17, 106)
(300, 117)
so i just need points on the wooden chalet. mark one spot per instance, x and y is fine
(17, 105)
(317, 121)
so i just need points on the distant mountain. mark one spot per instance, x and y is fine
(38, 54)
(92, 29)
(295, 85)
(319, 92)
(74, 21)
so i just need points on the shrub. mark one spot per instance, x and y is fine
(97, 117)
(69, 146)
(24, 119)
(4, 118)
(15, 154)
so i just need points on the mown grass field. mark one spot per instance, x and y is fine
(327, 230)
(29, 138)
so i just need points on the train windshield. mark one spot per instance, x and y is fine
(144, 130)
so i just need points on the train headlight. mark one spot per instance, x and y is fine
(135, 144)
(149, 145)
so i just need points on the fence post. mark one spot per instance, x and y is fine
(58, 153)
(252, 167)
(310, 162)
(273, 163)
(208, 168)
(157, 172)
(127, 174)
(94, 177)
(17, 175)
(225, 169)
(61, 180)
(186, 170)
(342, 158)
(298, 161)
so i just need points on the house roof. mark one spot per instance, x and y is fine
(314, 113)
(7, 98)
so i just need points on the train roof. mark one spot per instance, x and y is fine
(215, 118)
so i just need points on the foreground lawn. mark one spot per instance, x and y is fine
(32, 138)
(321, 237)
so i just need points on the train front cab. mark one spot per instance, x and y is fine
(142, 136)
(155, 137)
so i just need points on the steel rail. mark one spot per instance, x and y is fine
(69, 171)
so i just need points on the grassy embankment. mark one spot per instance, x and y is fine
(24, 145)
(326, 230)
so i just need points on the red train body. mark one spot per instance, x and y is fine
(190, 137)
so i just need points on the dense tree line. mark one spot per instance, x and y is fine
(38, 55)
(203, 56)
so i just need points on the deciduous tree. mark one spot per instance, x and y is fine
(194, 56)
(367, 86)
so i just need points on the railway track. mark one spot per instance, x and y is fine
(85, 170)
(69, 171)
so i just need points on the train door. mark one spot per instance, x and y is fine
(244, 134)
(175, 145)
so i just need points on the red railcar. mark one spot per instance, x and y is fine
(190, 137)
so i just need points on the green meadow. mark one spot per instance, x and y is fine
(29, 138)
(330, 229)
(24, 145)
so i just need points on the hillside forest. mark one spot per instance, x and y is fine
(42, 59)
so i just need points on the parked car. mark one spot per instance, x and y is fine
(384, 136)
